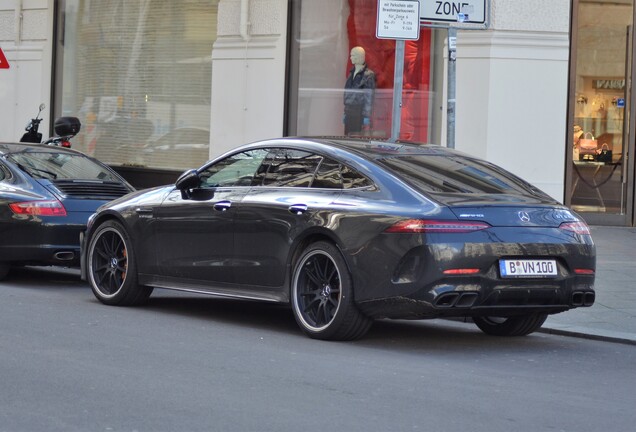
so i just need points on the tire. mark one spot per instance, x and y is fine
(521, 325)
(4, 270)
(112, 271)
(322, 295)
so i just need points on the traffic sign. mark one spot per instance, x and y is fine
(398, 19)
(4, 64)
(453, 11)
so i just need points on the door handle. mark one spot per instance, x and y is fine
(222, 206)
(298, 208)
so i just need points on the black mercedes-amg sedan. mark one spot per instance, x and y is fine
(47, 194)
(347, 231)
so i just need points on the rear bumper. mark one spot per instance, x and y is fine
(58, 254)
(483, 297)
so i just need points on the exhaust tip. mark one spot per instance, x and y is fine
(447, 300)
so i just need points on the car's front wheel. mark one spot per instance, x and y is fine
(322, 295)
(520, 325)
(112, 271)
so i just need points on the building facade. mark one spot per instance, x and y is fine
(163, 85)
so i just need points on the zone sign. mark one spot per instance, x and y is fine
(466, 11)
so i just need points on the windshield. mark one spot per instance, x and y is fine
(60, 166)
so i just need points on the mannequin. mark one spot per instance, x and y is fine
(578, 134)
(358, 94)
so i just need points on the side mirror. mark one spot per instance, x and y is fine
(188, 180)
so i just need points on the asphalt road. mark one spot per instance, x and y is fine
(188, 363)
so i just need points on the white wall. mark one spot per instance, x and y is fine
(248, 74)
(25, 39)
(512, 83)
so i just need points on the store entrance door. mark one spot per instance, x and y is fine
(601, 174)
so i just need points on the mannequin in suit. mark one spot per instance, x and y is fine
(358, 94)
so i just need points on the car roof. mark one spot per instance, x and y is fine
(8, 148)
(370, 148)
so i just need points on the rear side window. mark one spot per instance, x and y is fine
(334, 175)
(288, 168)
(456, 174)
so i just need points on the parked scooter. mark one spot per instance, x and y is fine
(32, 135)
(65, 129)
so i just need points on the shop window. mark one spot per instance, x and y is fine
(138, 75)
(328, 31)
(601, 104)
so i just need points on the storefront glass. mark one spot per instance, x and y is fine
(138, 75)
(601, 107)
(330, 39)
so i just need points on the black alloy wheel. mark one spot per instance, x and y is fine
(520, 325)
(322, 295)
(112, 271)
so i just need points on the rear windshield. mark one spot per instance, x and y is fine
(456, 174)
(60, 166)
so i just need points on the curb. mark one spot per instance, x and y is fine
(621, 338)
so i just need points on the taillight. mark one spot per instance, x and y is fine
(578, 227)
(65, 143)
(38, 208)
(584, 271)
(436, 226)
(461, 271)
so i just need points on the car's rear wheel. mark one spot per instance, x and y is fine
(4, 270)
(322, 295)
(520, 325)
(112, 271)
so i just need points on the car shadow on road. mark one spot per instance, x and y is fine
(278, 320)
(400, 335)
(46, 277)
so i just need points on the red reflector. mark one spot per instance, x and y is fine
(439, 226)
(584, 271)
(579, 227)
(66, 144)
(461, 271)
(38, 208)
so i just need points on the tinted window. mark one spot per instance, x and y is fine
(334, 175)
(289, 168)
(353, 179)
(235, 170)
(59, 166)
(328, 175)
(455, 174)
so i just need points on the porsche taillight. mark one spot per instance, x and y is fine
(436, 226)
(38, 208)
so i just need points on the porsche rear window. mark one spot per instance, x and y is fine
(58, 166)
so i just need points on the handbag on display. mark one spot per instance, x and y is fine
(604, 154)
(588, 147)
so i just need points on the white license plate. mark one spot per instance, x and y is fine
(524, 268)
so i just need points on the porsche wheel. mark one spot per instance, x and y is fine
(112, 271)
(322, 295)
(521, 325)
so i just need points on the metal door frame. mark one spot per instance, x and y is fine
(599, 218)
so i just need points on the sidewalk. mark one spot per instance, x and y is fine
(613, 315)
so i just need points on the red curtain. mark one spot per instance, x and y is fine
(380, 57)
